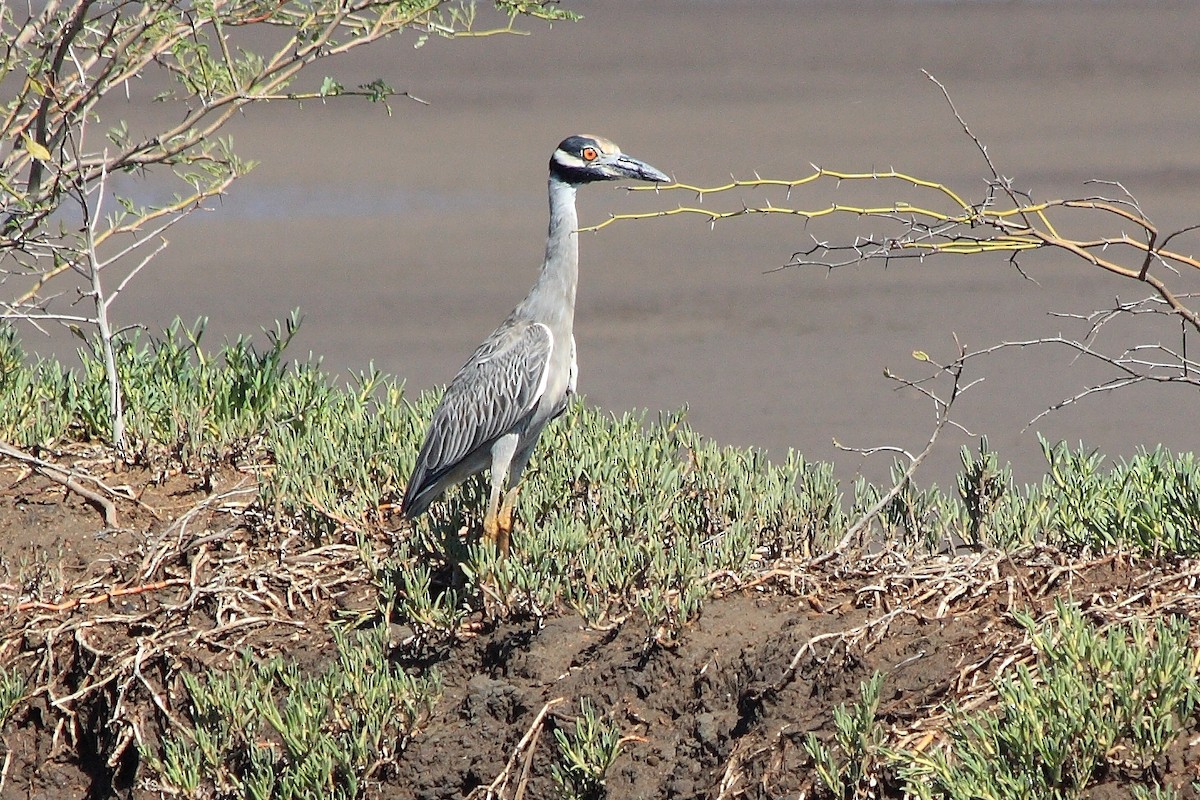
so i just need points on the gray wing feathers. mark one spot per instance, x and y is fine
(493, 392)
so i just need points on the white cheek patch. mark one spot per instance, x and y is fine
(565, 159)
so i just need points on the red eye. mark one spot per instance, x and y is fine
(589, 154)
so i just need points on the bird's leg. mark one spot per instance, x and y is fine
(502, 456)
(505, 520)
(491, 524)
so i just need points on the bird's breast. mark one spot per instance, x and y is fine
(560, 380)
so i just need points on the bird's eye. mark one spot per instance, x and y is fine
(589, 154)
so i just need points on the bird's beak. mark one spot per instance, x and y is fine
(629, 167)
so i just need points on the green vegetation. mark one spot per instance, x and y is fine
(337, 453)
(622, 514)
(37, 402)
(1099, 700)
(12, 689)
(651, 511)
(626, 520)
(1154, 793)
(265, 730)
(66, 233)
(1094, 701)
(1149, 504)
(585, 754)
(851, 767)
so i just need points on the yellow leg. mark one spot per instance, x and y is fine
(491, 524)
(505, 520)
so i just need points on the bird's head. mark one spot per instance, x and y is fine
(583, 159)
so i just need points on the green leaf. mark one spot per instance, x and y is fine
(36, 149)
(330, 87)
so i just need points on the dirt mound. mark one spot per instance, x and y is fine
(721, 712)
(724, 712)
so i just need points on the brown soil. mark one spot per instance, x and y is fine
(720, 713)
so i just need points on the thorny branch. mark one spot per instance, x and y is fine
(961, 229)
(1005, 220)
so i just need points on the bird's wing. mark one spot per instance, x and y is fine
(499, 386)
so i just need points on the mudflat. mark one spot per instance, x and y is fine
(404, 238)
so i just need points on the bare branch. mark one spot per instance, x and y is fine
(70, 479)
(942, 407)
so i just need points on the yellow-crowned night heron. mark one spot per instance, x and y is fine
(522, 375)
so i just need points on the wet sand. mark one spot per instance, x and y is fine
(405, 239)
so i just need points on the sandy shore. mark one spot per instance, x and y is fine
(405, 239)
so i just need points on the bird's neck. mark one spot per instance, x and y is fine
(560, 270)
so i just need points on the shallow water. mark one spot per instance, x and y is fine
(404, 239)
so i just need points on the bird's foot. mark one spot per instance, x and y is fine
(504, 519)
(491, 530)
(503, 534)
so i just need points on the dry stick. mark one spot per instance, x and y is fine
(523, 783)
(859, 633)
(732, 773)
(68, 479)
(91, 220)
(967, 130)
(124, 666)
(733, 767)
(941, 420)
(883, 502)
(498, 785)
(1052, 239)
(103, 597)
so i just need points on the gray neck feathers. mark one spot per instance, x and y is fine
(552, 298)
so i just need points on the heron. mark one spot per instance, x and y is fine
(524, 373)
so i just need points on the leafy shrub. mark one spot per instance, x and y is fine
(620, 513)
(36, 409)
(624, 514)
(585, 754)
(850, 768)
(12, 690)
(1098, 699)
(1149, 504)
(266, 730)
